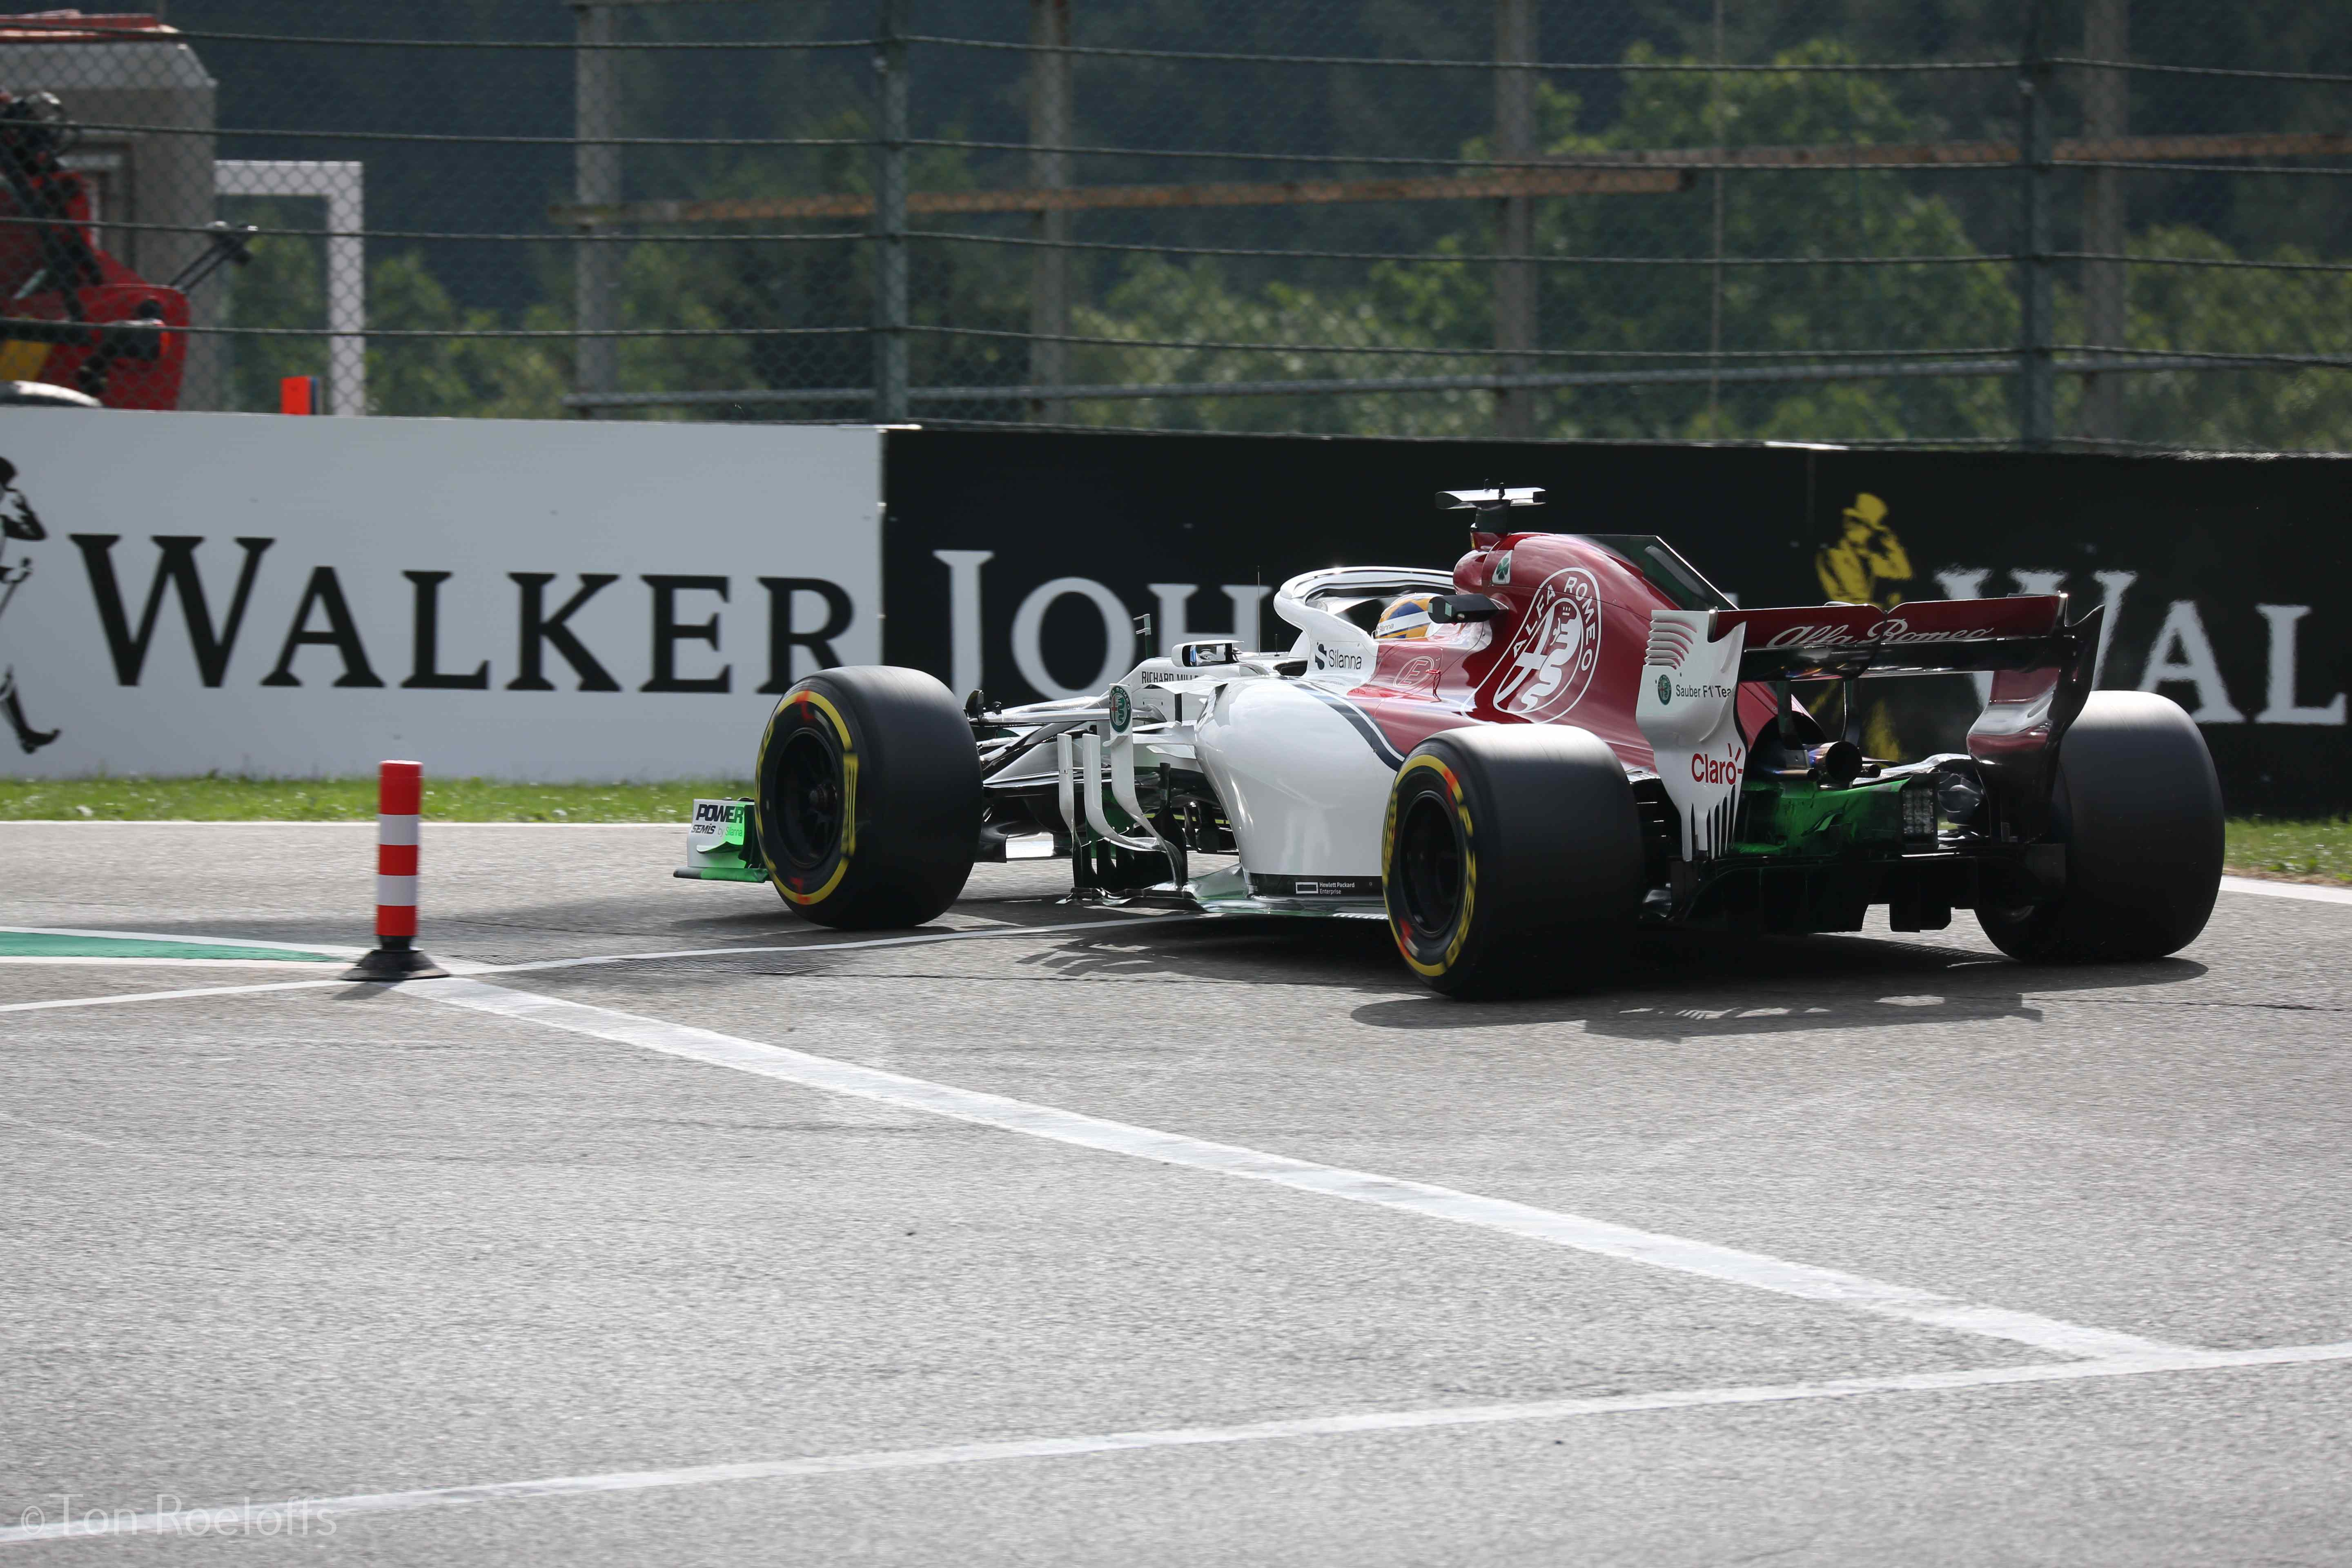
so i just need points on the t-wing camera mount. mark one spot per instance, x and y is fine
(1489, 503)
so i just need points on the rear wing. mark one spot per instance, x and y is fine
(1927, 636)
(1686, 704)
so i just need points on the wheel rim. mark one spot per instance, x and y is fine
(1429, 866)
(808, 799)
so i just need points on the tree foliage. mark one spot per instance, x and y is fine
(1628, 283)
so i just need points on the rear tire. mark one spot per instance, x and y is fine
(2139, 807)
(868, 798)
(1511, 859)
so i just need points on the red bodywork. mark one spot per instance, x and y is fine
(1569, 642)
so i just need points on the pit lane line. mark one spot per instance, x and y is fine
(1577, 1232)
(250, 1515)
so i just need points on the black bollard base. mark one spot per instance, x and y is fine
(388, 963)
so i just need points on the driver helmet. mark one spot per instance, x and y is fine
(1406, 618)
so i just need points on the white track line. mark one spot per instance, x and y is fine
(168, 995)
(1140, 919)
(197, 1521)
(72, 1136)
(1127, 921)
(1601, 1238)
(2286, 889)
(467, 966)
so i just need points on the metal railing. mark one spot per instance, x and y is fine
(1488, 218)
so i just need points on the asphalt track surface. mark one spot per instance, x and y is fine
(1060, 1234)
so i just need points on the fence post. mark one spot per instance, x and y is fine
(2106, 117)
(2037, 415)
(1515, 281)
(1716, 194)
(890, 214)
(1050, 122)
(596, 176)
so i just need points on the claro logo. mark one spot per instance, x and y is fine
(1723, 770)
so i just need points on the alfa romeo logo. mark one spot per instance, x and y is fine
(1666, 689)
(1549, 662)
(1122, 711)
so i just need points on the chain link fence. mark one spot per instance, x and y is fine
(2094, 224)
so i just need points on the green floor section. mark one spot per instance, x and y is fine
(36, 944)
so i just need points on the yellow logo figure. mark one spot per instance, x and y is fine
(1867, 566)
(1867, 562)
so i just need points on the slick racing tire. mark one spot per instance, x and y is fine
(1511, 858)
(867, 798)
(2139, 807)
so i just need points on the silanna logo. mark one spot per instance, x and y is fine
(1549, 662)
(1328, 658)
(20, 525)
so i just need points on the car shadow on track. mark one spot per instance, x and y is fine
(1685, 988)
(1677, 987)
(1234, 950)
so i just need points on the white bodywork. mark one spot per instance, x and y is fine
(1303, 788)
(1688, 710)
(1303, 776)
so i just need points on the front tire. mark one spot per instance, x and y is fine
(868, 798)
(2139, 807)
(1511, 859)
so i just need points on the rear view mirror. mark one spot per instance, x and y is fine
(1204, 655)
(1450, 607)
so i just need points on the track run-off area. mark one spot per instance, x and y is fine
(669, 1228)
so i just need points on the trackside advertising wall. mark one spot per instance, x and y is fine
(189, 592)
(1018, 562)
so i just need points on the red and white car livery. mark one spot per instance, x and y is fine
(1590, 739)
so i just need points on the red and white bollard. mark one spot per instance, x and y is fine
(400, 802)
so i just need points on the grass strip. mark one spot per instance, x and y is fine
(221, 799)
(2318, 852)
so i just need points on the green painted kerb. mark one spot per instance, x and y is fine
(36, 944)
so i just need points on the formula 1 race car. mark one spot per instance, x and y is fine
(1577, 738)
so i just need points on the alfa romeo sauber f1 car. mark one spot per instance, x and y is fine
(1585, 739)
